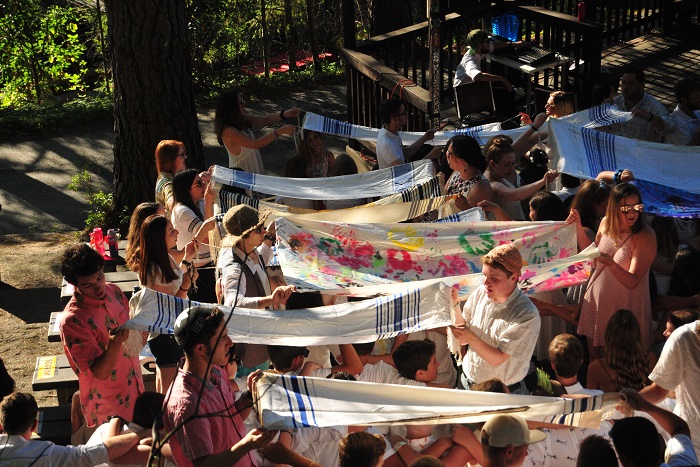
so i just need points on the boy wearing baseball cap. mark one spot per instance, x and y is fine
(504, 440)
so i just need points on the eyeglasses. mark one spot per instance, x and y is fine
(399, 115)
(183, 155)
(259, 230)
(199, 184)
(637, 207)
(548, 105)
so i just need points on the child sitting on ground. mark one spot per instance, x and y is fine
(290, 360)
(415, 360)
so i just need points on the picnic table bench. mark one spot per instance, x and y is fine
(125, 280)
(54, 424)
(54, 372)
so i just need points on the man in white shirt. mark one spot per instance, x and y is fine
(687, 114)
(678, 369)
(501, 324)
(566, 357)
(18, 413)
(390, 150)
(651, 120)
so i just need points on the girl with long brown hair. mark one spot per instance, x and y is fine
(626, 362)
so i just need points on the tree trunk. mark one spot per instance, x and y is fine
(289, 35)
(265, 38)
(153, 94)
(312, 33)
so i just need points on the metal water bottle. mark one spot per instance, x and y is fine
(113, 242)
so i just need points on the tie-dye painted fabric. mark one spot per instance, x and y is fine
(555, 274)
(382, 182)
(409, 310)
(287, 402)
(367, 254)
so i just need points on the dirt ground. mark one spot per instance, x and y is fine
(29, 293)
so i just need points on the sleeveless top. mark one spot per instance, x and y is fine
(513, 208)
(249, 160)
(318, 169)
(605, 295)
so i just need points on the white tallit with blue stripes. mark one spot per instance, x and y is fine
(331, 126)
(410, 310)
(286, 402)
(381, 182)
(584, 152)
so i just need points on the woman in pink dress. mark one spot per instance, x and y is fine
(621, 277)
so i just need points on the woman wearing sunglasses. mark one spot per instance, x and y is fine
(244, 281)
(621, 277)
(193, 218)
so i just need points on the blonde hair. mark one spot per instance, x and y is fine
(613, 227)
(564, 103)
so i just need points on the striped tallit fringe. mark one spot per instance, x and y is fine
(287, 402)
(409, 310)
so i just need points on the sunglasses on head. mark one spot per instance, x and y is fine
(637, 207)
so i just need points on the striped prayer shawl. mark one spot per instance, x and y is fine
(287, 402)
(668, 171)
(381, 182)
(409, 310)
(331, 126)
(397, 211)
(366, 254)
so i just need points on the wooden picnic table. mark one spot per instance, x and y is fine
(125, 280)
(54, 321)
(112, 263)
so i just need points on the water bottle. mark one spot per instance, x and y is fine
(581, 10)
(113, 242)
(97, 240)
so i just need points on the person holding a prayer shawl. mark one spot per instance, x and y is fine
(500, 325)
(687, 114)
(244, 281)
(200, 388)
(390, 151)
(651, 120)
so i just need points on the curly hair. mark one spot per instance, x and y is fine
(624, 353)
(80, 260)
(133, 247)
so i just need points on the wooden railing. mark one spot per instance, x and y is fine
(370, 82)
(582, 41)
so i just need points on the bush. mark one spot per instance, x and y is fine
(46, 120)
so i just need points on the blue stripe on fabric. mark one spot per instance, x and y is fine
(292, 409)
(310, 401)
(336, 127)
(299, 400)
(398, 312)
(600, 150)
